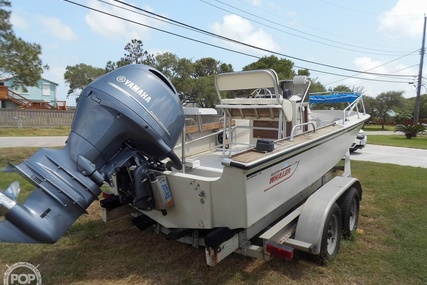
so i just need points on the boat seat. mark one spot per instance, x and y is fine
(268, 106)
(258, 108)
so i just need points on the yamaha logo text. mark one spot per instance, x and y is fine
(135, 88)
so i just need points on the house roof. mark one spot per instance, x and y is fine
(44, 79)
(4, 79)
(49, 81)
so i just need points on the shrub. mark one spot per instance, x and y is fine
(410, 131)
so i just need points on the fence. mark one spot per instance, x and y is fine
(12, 118)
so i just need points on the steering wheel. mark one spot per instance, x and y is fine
(257, 93)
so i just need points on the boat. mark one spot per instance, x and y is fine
(199, 175)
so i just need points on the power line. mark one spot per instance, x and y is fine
(349, 9)
(355, 77)
(252, 46)
(158, 29)
(221, 37)
(281, 17)
(364, 49)
(382, 65)
(361, 80)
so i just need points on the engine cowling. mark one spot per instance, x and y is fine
(131, 109)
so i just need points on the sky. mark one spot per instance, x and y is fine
(335, 39)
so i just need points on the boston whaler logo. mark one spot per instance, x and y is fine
(282, 174)
(135, 88)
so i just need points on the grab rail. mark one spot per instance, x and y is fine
(349, 109)
(301, 125)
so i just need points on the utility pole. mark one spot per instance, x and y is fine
(420, 76)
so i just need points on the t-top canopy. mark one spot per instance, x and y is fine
(334, 98)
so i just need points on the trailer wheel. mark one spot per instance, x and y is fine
(350, 212)
(331, 236)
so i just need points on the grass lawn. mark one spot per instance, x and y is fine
(374, 128)
(398, 140)
(33, 132)
(389, 248)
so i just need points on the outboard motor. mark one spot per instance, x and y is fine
(129, 118)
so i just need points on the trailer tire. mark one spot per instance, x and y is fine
(331, 236)
(350, 212)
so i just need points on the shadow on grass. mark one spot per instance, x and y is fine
(117, 253)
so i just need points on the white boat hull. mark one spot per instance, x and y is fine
(241, 193)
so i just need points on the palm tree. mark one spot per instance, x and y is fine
(410, 131)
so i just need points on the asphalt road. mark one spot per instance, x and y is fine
(391, 154)
(374, 153)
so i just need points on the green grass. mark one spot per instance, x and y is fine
(389, 248)
(374, 128)
(398, 140)
(29, 132)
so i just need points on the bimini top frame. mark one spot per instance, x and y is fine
(354, 99)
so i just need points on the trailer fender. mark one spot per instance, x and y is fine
(315, 210)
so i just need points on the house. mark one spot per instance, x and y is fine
(42, 96)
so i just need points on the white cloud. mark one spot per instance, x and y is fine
(57, 28)
(114, 28)
(368, 64)
(240, 29)
(18, 22)
(376, 87)
(404, 19)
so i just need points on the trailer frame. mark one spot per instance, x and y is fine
(277, 234)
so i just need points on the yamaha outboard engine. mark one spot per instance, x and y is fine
(129, 118)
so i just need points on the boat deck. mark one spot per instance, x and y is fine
(252, 154)
(211, 161)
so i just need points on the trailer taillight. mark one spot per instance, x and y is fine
(280, 250)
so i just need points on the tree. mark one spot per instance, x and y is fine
(209, 66)
(370, 108)
(304, 71)
(316, 87)
(386, 101)
(79, 76)
(194, 80)
(410, 103)
(182, 72)
(423, 106)
(284, 70)
(166, 64)
(341, 88)
(18, 58)
(283, 67)
(178, 71)
(205, 70)
(402, 116)
(111, 65)
(135, 54)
